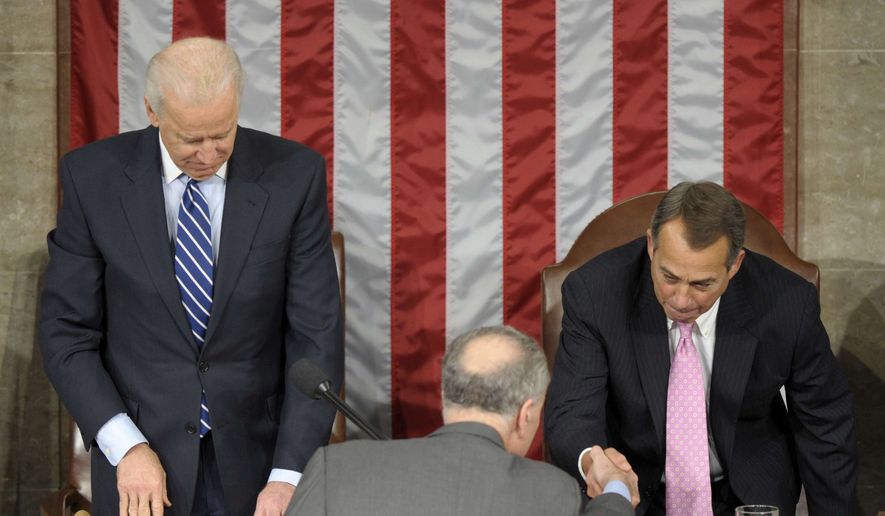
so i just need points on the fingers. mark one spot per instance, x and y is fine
(618, 459)
(157, 505)
(593, 486)
(141, 483)
(144, 506)
(633, 485)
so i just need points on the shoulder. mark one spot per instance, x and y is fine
(546, 472)
(612, 270)
(269, 149)
(768, 279)
(109, 152)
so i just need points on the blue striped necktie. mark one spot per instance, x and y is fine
(193, 271)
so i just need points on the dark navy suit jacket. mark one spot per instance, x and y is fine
(610, 377)
(113, 331)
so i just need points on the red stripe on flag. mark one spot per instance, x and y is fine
(198, 18)
(94, 95)
(418, 213)
(307, 84)
(754, 105)
(640, 97)
(529, 175)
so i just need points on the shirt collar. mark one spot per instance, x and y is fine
(171, 172)
(706, 322)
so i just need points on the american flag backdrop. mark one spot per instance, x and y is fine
(468, 141)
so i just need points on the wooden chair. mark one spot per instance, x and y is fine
(77, 494)
(627, 221)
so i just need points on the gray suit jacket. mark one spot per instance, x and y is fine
(460, 469)
(114, 335)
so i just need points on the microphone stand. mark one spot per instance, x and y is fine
(324, 391)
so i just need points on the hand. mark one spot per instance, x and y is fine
(274, 499)
(603, 466)
(141, 483)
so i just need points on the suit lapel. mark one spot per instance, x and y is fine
(732, 362)
(145, 209)
(651, 346)
(244, 202)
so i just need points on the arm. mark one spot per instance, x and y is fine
(312, 326)
(574, 417)
(71, 331)
(821, 414)
(72, 334)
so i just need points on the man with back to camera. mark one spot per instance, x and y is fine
(673, 350)
(493, 383)
(190, 266)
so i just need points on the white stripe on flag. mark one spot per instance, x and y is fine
(253, 30)
(474, 161)
(583, 116)
(362, 198)
(695, 106)
(144, 28)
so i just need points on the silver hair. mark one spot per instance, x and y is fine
(502, 390)
(196, 69)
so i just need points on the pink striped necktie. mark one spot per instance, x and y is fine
(687, 468)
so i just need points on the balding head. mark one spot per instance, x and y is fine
(493, 369)
(196, 70)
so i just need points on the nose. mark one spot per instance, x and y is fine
(206, 151)
(681, 300)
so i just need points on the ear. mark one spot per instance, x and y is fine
(525, 418)
(649, 244)
(738, 260)
(151, 114)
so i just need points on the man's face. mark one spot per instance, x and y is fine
(688, 282)
(199, 138)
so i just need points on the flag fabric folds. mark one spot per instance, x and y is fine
(468, 141)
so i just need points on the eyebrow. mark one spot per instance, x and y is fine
(670, 273)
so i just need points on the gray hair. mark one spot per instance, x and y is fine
(709, 212)
(197, 69)
(501, 390)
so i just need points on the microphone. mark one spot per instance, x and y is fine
(314, 383)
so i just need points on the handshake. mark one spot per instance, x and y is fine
(603, 466)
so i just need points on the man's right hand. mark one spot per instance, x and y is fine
(141, 483)
(603, 466)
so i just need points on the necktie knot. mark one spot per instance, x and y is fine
(684, 329)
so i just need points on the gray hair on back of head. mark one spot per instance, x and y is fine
(196, 69)
(500, 391)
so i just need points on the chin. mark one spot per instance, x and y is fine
(681, 316)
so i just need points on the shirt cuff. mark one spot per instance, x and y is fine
(116, 437)
(616, 486)
(581, 461)
(284, 475)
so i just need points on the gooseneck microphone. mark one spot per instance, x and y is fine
(314, 383)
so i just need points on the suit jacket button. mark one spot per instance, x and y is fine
(203, 366)
(190, 428)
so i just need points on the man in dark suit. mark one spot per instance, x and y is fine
(493, 382)
(190, 266)
(674, 349)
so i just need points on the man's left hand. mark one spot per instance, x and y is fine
(274, 499)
